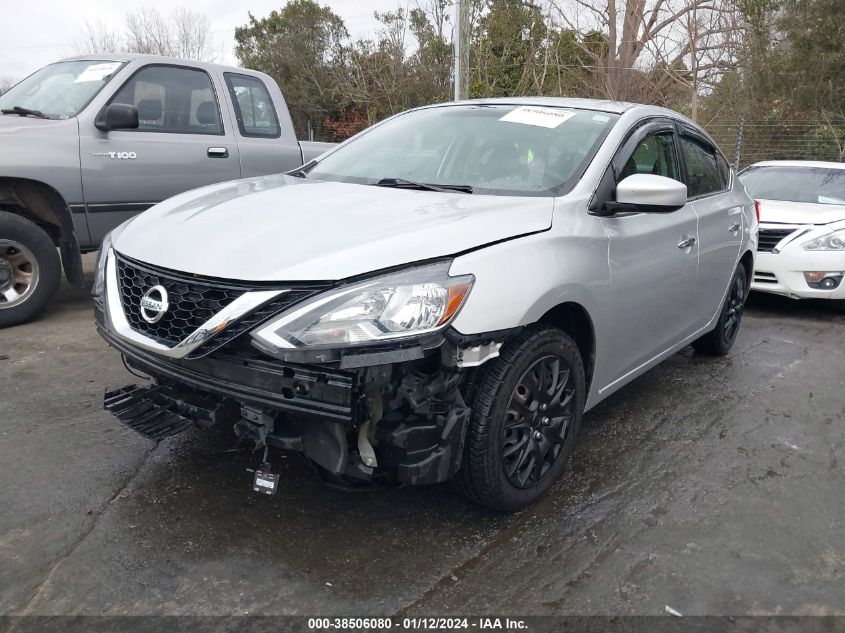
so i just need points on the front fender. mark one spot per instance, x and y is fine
(518, 281)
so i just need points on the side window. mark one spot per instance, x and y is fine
(724, 171)
(171, 99)
(253, 106)
(655, 154)
(703, 174)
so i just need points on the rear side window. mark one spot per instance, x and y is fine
(702, 170)
(724, 171)
(172, 99)
(254, 108)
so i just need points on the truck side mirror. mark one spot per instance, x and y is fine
(648, 193)
(117, 116)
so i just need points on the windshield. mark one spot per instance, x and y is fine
(60, 91)
(816, 185)
(508, 150)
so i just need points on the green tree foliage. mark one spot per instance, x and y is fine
(780, 64)
(790, 86)
(299, 47)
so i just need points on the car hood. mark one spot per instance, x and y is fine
(281, 228)
(11, 124)
(782, 212)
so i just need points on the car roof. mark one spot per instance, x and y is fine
(157, 59)
(616, 107)
(634, 110)
(809, 164)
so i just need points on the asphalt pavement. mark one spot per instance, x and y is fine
(712, 486)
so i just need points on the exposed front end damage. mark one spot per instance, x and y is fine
(394, 423)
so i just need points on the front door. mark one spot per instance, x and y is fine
(181, 143)
(653, 260)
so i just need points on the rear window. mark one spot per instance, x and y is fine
(253, 106)
(815, 185)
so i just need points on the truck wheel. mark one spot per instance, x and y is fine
(30, 270)
(525, 417)
(720, 340)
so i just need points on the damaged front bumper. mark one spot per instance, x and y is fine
(402, 422)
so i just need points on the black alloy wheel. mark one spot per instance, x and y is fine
(720, 340)
(526, 411)
(537, 421)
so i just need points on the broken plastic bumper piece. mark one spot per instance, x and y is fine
(156, 411)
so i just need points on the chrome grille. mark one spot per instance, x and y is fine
(769, 238)
(762, 277)
(193, 301)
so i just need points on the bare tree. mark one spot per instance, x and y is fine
(183, 33)
(655, 45)
(96, 37)
(191, 36)
(6, 83)
(149, 33)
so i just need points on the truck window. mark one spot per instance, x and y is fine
(172, 99)
(253, 106)
(62, 90)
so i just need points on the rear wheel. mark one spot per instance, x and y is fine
(719, 341)
(526, 414)
(30, 270)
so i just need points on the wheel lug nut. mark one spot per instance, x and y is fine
(538, 435)
(543, 407)
(546, 421)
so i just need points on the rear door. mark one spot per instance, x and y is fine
(720, 221)
(182, 143)
(653, 258)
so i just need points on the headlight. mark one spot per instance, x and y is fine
(831, 242)
(100, 267)
(409, 303)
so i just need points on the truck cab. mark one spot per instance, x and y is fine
(91, 141)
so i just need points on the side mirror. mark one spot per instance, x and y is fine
(117, 116)
(648, 193)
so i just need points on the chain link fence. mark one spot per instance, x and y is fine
(743, 142)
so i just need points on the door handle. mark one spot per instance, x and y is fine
(218, 152)
(734, 227)
(686, 242)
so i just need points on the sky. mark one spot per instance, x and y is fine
(33, 34)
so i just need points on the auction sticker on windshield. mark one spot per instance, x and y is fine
(97, 72)
(541, 117)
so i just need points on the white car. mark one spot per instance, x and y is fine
(801, 208)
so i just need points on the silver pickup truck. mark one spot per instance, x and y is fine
(90, 141)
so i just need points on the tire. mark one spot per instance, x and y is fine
(30, 270)
(507, 415)
(720, 339)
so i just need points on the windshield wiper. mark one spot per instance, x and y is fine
(24, 112)
(401, 183)
(301, 172)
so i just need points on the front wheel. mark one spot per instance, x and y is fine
(30, 270)
(525, 417)
(720, 340)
